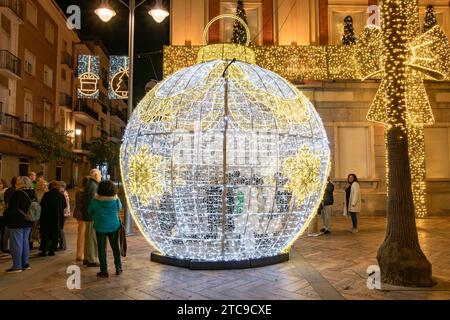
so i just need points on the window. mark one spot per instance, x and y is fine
(437, 152)
(30, 62)
(63, 74)
(353, 152)
(48, 76)
(24, 166)
(28, 104)
(47, 115)
(49, 31)
(254, 13)
(59, 173)
(32, 14)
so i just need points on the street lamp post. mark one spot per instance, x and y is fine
(105, 12)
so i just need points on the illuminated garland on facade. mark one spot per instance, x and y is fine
(88, 76)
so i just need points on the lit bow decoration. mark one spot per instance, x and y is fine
(428, 58)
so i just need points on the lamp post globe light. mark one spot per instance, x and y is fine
(106, 12)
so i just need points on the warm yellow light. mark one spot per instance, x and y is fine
(159, 14)
(105, 12)
(78, 132)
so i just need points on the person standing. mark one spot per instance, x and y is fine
(40, 190)
(7, 197)
(62, 236)
(327, 207)
(52, 219)
(105, 208)
(19, 227)
(90, 242)
(32, 176)
(79, 214)
(352, 205)
(3, 188)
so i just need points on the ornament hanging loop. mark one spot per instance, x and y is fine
(223, 16)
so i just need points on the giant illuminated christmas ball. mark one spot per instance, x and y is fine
(224, 160)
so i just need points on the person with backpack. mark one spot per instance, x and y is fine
(19, 219)
(52, 219)
(105, 208)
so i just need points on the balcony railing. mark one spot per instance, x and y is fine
(10, 62)
(26, 130)
(66, 58)
(117, 134)
(118, 113)
(81, 106)
(9, 124)
(15, 5)
(65, 100)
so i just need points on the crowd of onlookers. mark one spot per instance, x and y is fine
(35, 211)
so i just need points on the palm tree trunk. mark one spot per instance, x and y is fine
(400, 257)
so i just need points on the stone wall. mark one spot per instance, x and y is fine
(344, 104)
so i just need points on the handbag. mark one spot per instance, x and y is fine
(122, 237)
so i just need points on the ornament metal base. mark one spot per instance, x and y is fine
(218, 265)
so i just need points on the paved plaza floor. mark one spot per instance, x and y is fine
(324, 267)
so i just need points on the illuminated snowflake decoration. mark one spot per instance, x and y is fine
(224, 167)
(303, 174)
(145, 176)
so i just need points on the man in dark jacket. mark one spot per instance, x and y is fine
(53, 204)
(90, 242)
(327, 206)
(19, 228)
(10, 191)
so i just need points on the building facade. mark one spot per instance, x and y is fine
(357, 145)
(38, 86)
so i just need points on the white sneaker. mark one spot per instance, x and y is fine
(355, 230)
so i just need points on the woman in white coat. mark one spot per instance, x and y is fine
(352, 205)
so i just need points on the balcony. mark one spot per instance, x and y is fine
(119, 116)
(81, 146)
(9, 124)
(65, 101)
(116, 136)
(13, 9)
(10, 65)
(66, 58)
(26, 130)
(85, 114)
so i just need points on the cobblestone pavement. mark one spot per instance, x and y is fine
(325, 267)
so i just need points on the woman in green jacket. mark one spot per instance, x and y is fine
(104, 209)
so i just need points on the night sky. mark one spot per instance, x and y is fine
(150, 36)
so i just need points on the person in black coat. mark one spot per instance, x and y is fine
(53, 204)
(19, 228)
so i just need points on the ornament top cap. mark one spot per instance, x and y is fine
(226, 51)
